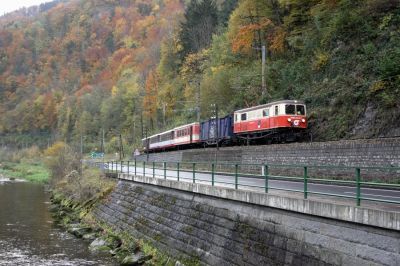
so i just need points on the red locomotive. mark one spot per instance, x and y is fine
(284, 117)
(276, 121)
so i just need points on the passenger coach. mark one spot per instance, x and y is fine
(185, 135)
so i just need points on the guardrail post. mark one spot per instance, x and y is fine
(194, 172)
(128, 167)
(144, 168)
(305, 182)
(154, 169)
(358, 182)
(177, 169)
(266, 177)
(165, 170)
(212, 174)
(135, 167)
(122, 162)
(236, 176)
(112, 166)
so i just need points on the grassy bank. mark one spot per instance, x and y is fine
(24, 164)
(75, 197)
(31, 171)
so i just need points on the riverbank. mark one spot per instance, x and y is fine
(77, 218)
(31, 171)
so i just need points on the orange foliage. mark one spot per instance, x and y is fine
(244, 39)
(150, 98)
(277, 41)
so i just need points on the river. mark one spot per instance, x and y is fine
(28, 235)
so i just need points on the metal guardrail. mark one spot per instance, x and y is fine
(233, 175)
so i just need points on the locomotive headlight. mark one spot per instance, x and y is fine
(303, 120)
(289, 120)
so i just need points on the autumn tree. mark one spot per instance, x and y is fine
(150, 99)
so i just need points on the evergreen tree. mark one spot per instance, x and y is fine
(201, 21)
(226, 9)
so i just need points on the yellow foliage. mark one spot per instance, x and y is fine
(377, 86)
(56, 149)
(114, 91)
(321, 59)
(194, 65)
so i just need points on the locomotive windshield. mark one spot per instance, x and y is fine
(300, 110)
(292, 109)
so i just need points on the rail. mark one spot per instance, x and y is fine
(348, 182)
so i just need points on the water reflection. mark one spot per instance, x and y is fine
(28, 235)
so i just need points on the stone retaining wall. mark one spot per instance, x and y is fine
(360, 153)
(224, 232)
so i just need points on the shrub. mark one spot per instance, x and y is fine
(62, 160)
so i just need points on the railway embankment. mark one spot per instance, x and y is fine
(219, 230)
(347, 153)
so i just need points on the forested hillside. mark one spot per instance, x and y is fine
(72, 69)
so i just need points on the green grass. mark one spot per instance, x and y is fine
(33, 172)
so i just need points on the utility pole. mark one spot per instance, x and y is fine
(147, 143)
(141, 123)
(164, 107)
(121, 148)
(81, 145)
(198, 101)
(81, 159)
(217, 124)
(263, 85)
(102, 140)
(102, 148)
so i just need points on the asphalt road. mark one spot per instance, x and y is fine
(378, 195)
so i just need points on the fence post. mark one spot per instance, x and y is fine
(305, 182)
(358, 181)
(165, 170)
(128, 167)
(212, 174)
(135, 167)
(194, 172)
(266, 177)
(144, 168)
(236, 176)
(177, 168)
(122, 162)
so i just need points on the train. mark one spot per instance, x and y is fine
(275, 122)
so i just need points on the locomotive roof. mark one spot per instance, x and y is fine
(268, 105)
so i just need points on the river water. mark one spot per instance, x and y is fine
(28, 235)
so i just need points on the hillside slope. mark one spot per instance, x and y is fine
(76, 68)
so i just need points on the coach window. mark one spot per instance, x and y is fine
(266, 112)
(243, 117)
(276, 109)
(290, 109)
(300, 110)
